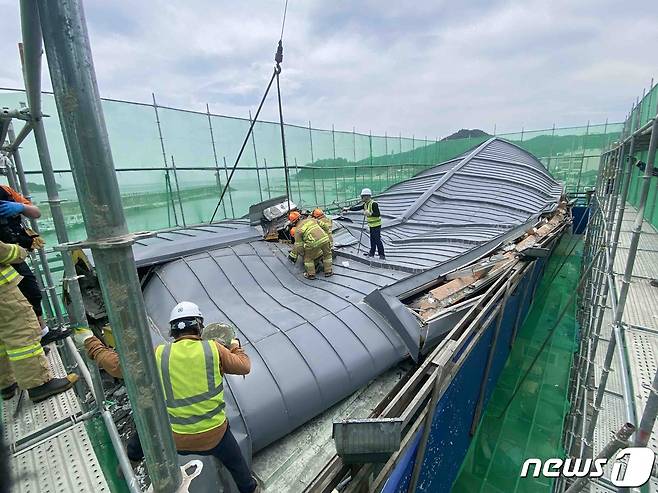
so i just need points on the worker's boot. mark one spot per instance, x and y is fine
(55, 335)
(328, 274)
(52, 387)
(309, 276)
(9, 392)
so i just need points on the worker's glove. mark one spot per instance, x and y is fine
(81, 335)
(10, 209)
(37, 242)
(292, 256)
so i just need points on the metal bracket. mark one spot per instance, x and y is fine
(106, 243)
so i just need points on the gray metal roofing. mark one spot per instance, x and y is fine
(447, 210)
(312, 343)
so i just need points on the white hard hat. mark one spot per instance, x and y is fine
(185, 309)
(366, 191)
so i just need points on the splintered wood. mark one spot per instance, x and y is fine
(461, 284)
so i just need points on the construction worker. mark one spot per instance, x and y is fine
(312, 243)
(374, 219)
(325, 223)
(191, 372)
(12, 206)
(22, 361)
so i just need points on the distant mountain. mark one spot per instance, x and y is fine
(465, 133)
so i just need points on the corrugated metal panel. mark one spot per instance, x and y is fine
(472, 199)
(312, 343)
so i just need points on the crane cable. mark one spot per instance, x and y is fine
(278, 59)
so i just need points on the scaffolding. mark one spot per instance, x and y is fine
(614, 378)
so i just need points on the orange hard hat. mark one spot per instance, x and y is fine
(317, 213)
(292, 231)
(294, 216)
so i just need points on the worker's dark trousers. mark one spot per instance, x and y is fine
(227, 451)
(376, 241)
(29, 287)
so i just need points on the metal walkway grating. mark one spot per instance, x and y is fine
(640, 337)
(34, 418)
(63, 463)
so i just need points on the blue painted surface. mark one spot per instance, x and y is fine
(450, 437)
(398, 481)
(580, 219)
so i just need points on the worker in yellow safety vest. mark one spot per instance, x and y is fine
(374, 219)
(325, 223)
(312, 243)
(23, 363)
(191, 371)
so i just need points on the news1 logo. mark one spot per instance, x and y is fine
(631, 468)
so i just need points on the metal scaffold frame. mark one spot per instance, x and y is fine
(607, 289)
(91, 164)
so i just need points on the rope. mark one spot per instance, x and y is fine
(283, 23)
(278, 59)
(244, 144)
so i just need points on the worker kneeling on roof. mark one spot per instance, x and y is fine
(191, 372)
(312, 243)
(325, 223)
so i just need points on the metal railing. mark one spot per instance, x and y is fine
(605, 290)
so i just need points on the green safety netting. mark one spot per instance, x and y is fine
(644, 111)
(171, 174)
(530, 425)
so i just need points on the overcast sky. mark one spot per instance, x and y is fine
(425, 67)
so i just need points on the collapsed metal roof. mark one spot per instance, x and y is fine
(313, 343)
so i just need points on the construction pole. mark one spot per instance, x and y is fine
(253, 144)
(48, 286)
(651, 407)
(34, 262)
(619, 440)
(180, 200)
(164, 156)
(214, 155)
(230, 196)
(87, 143)
(626, 281)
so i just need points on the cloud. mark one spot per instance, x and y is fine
(422, 68)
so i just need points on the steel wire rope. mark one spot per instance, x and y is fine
(278, 58)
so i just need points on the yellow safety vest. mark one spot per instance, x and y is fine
(192, 384)
(373, 222)
(9, 253)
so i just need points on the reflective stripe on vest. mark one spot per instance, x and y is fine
(24, 352)
(307, 235)
(373, 222)
(192, 384)
(11, 256)
(7, 274)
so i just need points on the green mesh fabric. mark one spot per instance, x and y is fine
(532, 424)
(172, 174)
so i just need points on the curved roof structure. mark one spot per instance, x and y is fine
(313, 343)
